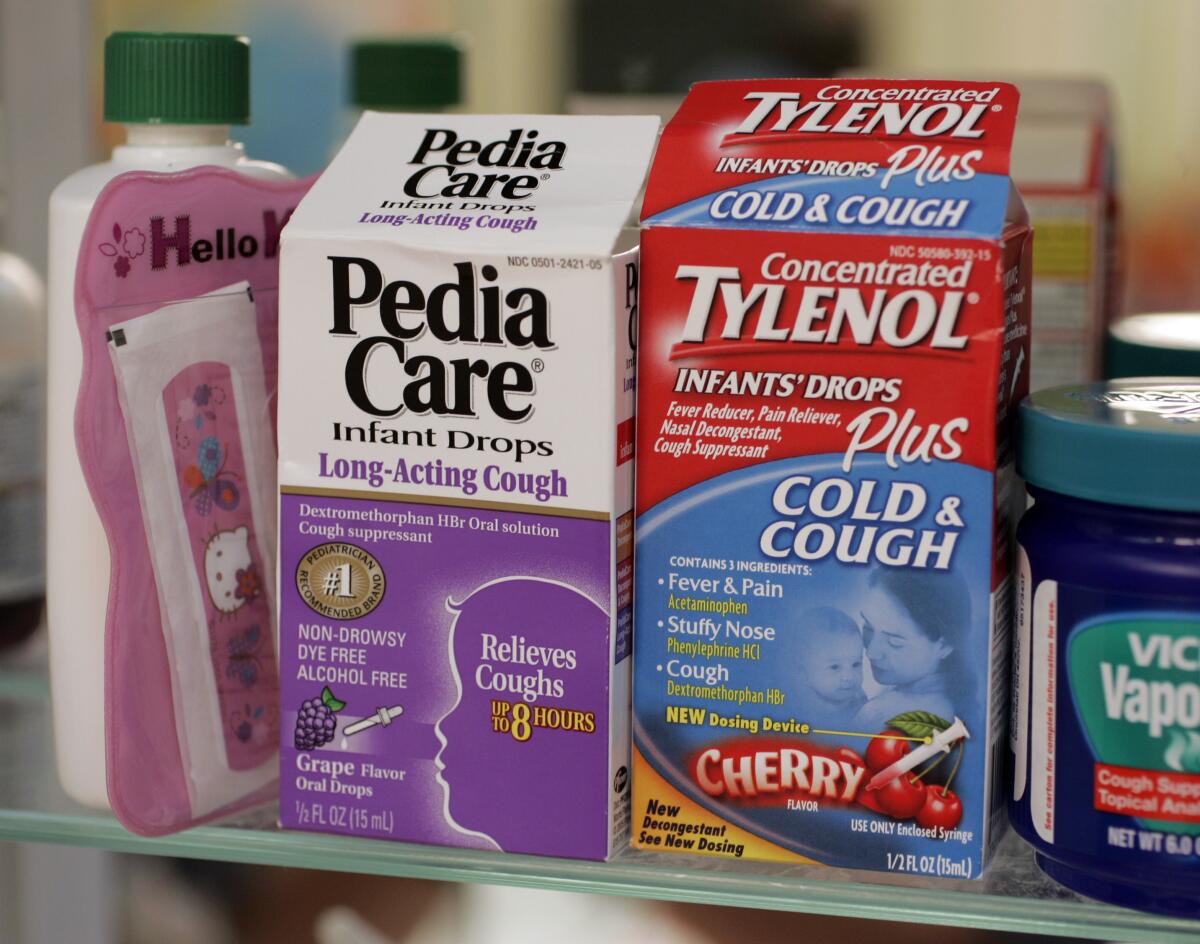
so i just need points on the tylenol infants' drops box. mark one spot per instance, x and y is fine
(834, 333)
(455, 468)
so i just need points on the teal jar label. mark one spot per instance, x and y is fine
(1135, 683)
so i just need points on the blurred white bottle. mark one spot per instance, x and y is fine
(22, 447)
(177, 94)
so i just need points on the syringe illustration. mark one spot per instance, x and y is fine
(382, 716)
(941, 743)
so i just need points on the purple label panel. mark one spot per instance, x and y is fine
(445, 675)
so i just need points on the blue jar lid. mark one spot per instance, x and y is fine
(1132, 442)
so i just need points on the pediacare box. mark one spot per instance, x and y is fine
(455, 468)
(834, 335)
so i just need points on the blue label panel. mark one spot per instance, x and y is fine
(795, 606)
(970, 209)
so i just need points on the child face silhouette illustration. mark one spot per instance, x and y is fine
(520, 738)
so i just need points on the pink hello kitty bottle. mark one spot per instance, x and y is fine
(177, 94)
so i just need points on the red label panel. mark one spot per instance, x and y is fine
(1147, 794)
(843, 369)
(842, 121)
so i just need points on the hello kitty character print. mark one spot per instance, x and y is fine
(206, 444)
(228, 569)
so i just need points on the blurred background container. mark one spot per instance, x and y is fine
(534, 55)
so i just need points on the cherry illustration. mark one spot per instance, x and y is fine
(870, 799)
(942, 808)
(886, 748)
(901, 798)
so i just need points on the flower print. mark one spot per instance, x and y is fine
(256, 725)
(244, 648)
(266, 732)
(134, 242)
(202, 395)
(121, 267)
(247, 583)
(209, 457)
(226, 494)
(187, 410)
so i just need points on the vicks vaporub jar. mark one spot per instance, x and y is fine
(1106, 708)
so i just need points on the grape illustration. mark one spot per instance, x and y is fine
(315, 722)
(315, 726)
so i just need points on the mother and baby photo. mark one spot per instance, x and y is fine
(903, 650)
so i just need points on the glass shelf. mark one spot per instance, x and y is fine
(1014, 897)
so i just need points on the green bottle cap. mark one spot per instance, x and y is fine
(1154, 345)
(177, 79)
(410, 74)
